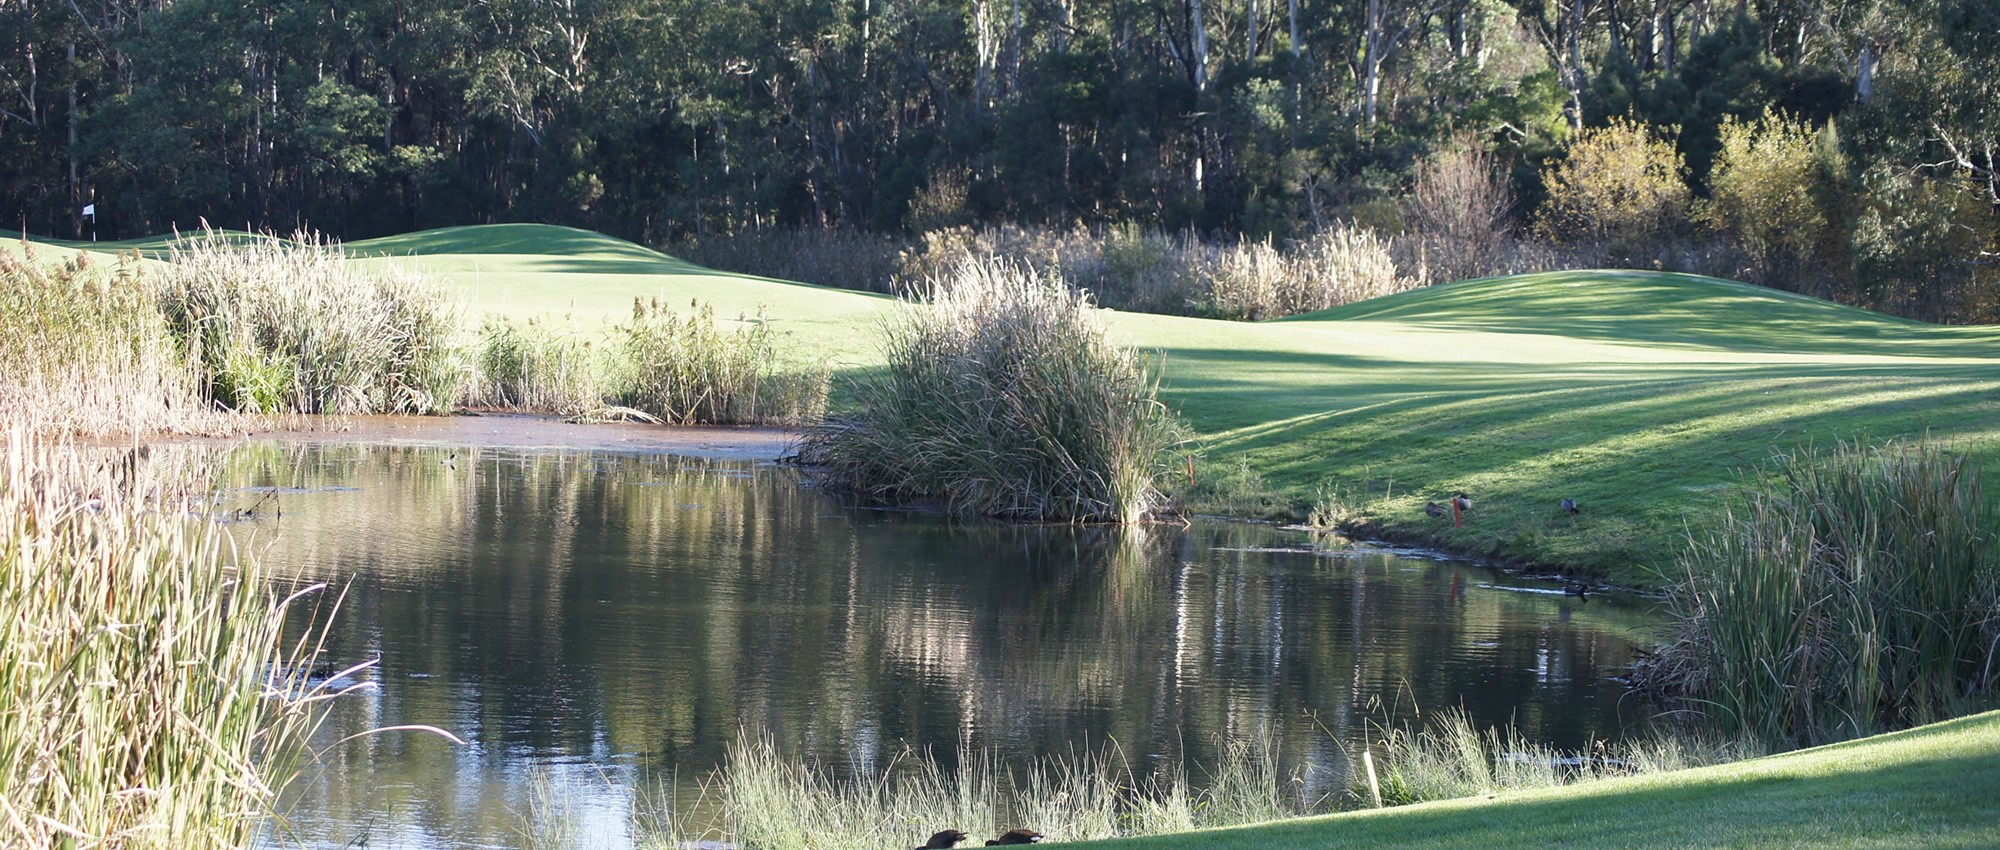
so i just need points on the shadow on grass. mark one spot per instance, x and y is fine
(1666, 310)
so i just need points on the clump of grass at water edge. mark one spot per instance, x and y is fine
(277, 325)
(149, 697)
(1003, 396)
(1850, 591)
(684, 369)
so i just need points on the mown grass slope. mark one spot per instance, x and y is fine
(1936, 786)
(1639, 394)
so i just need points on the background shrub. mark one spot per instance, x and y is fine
(1778, 195)
(1616, 187)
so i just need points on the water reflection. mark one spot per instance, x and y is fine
(619, 617)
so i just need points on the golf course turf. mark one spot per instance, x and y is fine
(1644, 396)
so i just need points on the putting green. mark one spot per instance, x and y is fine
(1641, 395)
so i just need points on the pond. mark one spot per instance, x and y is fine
(602, 626)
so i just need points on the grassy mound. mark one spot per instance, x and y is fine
(1936, 786)
(1639, 394)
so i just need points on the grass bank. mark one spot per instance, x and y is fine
(1641, 395)
(1936, 786)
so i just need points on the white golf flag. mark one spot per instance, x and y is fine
(90, 209)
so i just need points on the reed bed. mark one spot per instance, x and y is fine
(684, 369)
(290, 326)
(149, 697)
(83, 350)
(1004, 397)
(1850, 592)
(534, 366)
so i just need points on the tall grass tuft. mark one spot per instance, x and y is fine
(1004, 397)
(1450, 757)
(289, 325)
(1851, 592)
(83, 351)
(148, 698)
(683, 369)
(535, 367)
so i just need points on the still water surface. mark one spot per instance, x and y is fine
(613, 621)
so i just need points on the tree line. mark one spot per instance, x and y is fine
(663, 119)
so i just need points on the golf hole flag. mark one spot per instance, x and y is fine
(90, 210)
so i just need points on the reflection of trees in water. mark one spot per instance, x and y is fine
(639, 611)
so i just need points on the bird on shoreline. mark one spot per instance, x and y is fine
(944, 840)
(1461, 501)
(1016, 836)
(1434, 509)
(1569, 506)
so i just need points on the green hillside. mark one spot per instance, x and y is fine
(1639, 394)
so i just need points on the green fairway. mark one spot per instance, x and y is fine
(1937, 786)
(1638, 394)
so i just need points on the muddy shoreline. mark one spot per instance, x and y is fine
(515, 431)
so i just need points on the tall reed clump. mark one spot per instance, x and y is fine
(83, 351)
(144, 701)
(1851, 592)
(535, 367)
(1004, 397)
(292, 326)
(685, 370)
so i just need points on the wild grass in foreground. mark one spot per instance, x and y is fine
(1852, 591)
(762, 800)
(148, 697)
(768, 802)
(289, 326)
(1449, 758)
(1004, 397)
(83, 350)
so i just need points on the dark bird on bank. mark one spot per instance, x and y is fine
(1577, 590)
(944, 840)
(1434, 509)
(1462, 502)
(1569, 506)
(1016, 836)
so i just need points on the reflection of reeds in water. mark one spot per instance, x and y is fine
(148, 694)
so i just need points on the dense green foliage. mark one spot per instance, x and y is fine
(1854, 591)
(658, 120)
